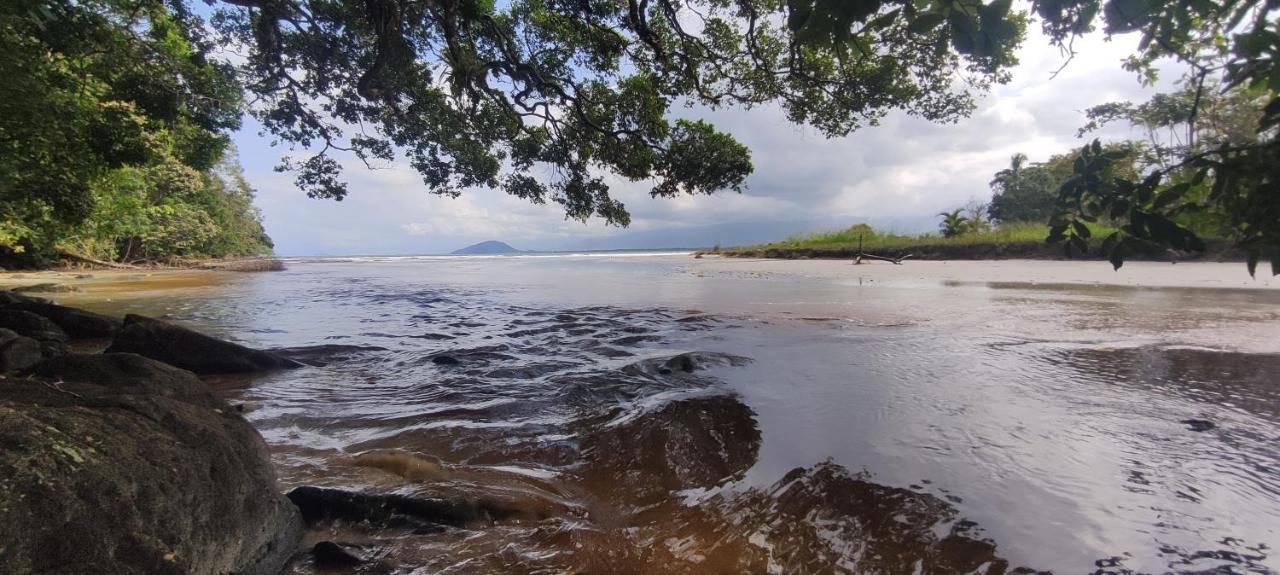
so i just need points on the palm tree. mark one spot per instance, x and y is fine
(953, 223)
(1009, 178)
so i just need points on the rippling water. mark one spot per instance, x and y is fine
(663, 415)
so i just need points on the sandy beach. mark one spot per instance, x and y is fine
(1222, 275)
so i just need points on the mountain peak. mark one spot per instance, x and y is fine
(486, 248)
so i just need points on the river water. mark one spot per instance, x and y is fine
(661, 414)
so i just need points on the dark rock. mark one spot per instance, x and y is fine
(17, 352)
(330, 555)
(695, 443)
(8, 298)
(445, 360)
(1198, 424)
(420, 514)
(32, 325)
(120, 464)
(322, 355)
(47, 288)
(191, 350)
(78, 323)
(685, 363)
(128, 373)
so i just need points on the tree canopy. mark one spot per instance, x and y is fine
(114, 124)
(548, 99)
(1230, 48)
(557, 100)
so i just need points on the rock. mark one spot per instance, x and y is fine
(47, 288)
(322, 355)
(423, 515)
(17, 352)
(34, 326)
(689, 444)
(128, 373)
(191, 350)
(120, 464)
(78, 323)
(8, 298)
(1198, 424)
(330, 555)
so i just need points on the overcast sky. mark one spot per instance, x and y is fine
(898, 174)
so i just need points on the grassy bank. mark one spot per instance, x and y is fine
(1011, 241)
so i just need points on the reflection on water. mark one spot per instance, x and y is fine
(611, 416)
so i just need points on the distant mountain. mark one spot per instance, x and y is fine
(490, 247)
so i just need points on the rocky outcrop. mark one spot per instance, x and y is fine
(191, 350)
(12, 297)
(119, 464)
(17, 352)
(77, 323)
(32, 325)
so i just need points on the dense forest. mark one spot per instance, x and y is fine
(115, 122)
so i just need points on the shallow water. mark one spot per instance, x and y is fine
(826, 424)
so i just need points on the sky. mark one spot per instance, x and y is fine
(897, 175)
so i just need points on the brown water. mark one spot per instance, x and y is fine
(824, 424)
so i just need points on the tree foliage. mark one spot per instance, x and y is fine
(1230, 48)
(113, 122)
(555, 100)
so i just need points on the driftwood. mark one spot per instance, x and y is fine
(866, 256)
(96, 262)
(895, 261)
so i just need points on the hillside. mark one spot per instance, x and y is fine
(491, 247)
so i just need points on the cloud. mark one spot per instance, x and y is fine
(900, 172)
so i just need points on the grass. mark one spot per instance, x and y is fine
(1013, 240)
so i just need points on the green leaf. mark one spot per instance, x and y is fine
(1080, 229)
(925, 23)
(1171, 195)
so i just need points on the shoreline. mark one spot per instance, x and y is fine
(91, 284)
(1030, 272)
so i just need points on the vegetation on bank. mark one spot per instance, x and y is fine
(114, 122)
(1012, 240)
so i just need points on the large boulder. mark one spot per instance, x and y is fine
(77, 323)
(192, 350)
(120, 464)
(12, 297)
(32, 325)
(17, 352)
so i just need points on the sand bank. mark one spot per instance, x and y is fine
(1220, 275)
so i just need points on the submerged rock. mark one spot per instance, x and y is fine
(694, 443)
(77, 323)
(322, 355)
(120, 464)
(330, 555)
(32, 325)
(1198, 424)
(17, 352)
(420, 514)
(191, 350)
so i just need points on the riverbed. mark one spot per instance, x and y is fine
(656, 413)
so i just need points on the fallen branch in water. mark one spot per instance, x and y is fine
(863, 255)
(896, 261)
